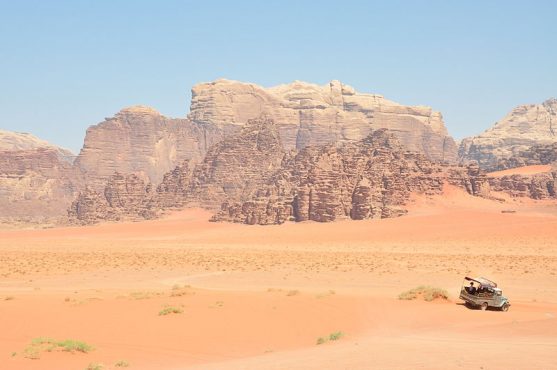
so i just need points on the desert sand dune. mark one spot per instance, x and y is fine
(255, 297)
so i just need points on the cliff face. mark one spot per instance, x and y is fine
(236, 167)
(20, 141)
(233, 170)
(370, 178)
(36, 184)
(123, 197)
(140, 140)
(537, 154)
(538, 186)
(508, 142)
(308, 114)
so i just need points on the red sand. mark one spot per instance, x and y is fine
(526, 170)
(260, 297)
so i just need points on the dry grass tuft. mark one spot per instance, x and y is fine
(426, 292)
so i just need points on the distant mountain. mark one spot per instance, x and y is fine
(12, 141)
(37, 179)
(309, 114)
(511, 141)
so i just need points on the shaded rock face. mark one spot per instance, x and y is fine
(524, 127)
(471, 178)
(175, 186)
(308, 114)
(140, 140)
(233, 169)
(537, 154)
(124, 197)
(37, 184)
(236, 167)
(539, 186)
(371, 178)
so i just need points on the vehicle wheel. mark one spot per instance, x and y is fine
(505, 307)
(483, 307)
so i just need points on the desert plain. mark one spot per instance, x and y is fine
(184, 293)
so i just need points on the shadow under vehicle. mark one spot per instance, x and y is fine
(483, 293)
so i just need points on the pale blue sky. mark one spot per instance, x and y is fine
(65, 65)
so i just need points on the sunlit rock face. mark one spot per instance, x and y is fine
(309, 114)
(510, 141)
(141, 141)
(370, 178)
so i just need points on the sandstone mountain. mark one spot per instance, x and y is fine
(123, 197)
(140, 140)
(233, 169)
(37, 179)
(370, 178)
(537, 186)
(14, 141)
(524, 127)
(537, 154)
(308, 114)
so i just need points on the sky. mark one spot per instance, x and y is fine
(66, 65)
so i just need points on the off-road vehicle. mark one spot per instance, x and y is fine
(483, 293)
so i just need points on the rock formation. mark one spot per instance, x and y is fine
(537, 154)
(232, 170)
(35, 184)
(524, 127)
(37, 179)
(538, 186)
(124, 197)
(140, 140)
(20, 141)
(308, 114)
(370, 178)
(236, 167)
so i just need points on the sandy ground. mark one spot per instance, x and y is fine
(526, 170)
(256, 297)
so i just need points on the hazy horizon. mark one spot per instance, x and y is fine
(69, 65)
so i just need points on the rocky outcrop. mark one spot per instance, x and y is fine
(175, 186)
(508, 143)
(236, 167)
(370, 178)
(124, 197)
(37, 179)
(537, 154)
(308, 114)
(21, 141)
(538, 186)
(140, 140)
(233, 170)
(471, 178)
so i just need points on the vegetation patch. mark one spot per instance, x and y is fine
(170, 310)
(331, 337)
(218, 304)
(122, 363)
(427, 293)
(94, 366)
(44, 344)
(179, 290)
(144, 295)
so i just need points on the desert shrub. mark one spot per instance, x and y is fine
(170, 310)
(336, 335)
(45, 344)
(94, 366)
(426, 292)
(333, 336)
